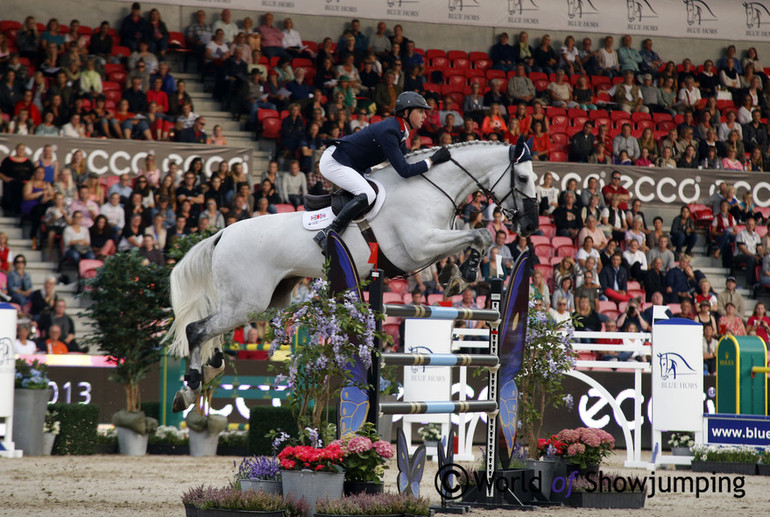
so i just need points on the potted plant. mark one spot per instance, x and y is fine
(233, 442)
(763, 467)
(680, 444)
(229, 501)
(259, 473)
(51, 428)
(313, 472)
(605, 491)
(106, 439)
(365, 460)
(30, 399)
(169, 440)
(586, 447)
(549, 462)
(740, 459)
(430, 434)
(203, 426)
(129, 313)
(320, 366)
(547, 358)
(374, 504)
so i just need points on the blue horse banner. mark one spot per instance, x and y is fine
(713, 19)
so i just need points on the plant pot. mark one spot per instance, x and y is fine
(511, 486)
(190, 510)
(312, 486)
(724, 467)
(359, 515)
(362, 487)
(131, 443)
(545, 471)
(219, 512)
(29, 408)
(607, 499)
(232, 450)
(168, 449)
(106, 448)
(268, 487)
(48, 441)
(203, 443)
(763, 470)
(681, 451)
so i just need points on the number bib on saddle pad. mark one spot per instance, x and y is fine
(315, 220)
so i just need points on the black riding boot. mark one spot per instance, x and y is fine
(350, 211)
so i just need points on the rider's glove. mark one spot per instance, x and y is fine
(440, 156)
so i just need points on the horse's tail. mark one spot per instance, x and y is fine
(193, 293)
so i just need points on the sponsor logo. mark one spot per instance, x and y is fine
(335, 5)
(754, 12)
(578, 8)
(698, 13)
(637, 10)
(672, 364)
(520, 6)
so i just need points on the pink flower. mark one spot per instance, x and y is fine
(359, 444)
(384, 449)
(569, 435)
(575, 449)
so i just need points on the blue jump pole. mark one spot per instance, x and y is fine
(440, 313)
(438, 407)
(439, 360)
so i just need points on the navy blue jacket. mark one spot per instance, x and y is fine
(606, 277)
(376, 143)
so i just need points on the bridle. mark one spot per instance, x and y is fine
(511, 214)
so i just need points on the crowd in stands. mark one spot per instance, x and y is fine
(582, 103)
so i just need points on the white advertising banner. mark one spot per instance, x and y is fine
(677, 375)
(715, 19)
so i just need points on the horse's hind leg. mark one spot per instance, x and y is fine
(198, 333)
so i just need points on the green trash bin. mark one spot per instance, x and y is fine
(738, 391)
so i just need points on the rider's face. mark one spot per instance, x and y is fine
(417, 117)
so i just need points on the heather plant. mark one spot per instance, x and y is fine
(334, 326)
(228, 498)
(548, 356)
(374, 504)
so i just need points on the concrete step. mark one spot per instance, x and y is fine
(206, 104)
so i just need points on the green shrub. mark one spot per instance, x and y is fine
(151, 409)
(78, 428)
(264, 419)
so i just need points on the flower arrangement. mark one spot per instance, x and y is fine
(764, 456)
(374, 504)
(550, 448)
(365, 454)
(585, 445)
(321, 459)
(51, 425)
(547, 357)
(31, 376)
(315, 369)
(681, 440)
(208, 498)
(234, 438)
(430, 433)
(263, 468)
(106, 434)
(730, 454)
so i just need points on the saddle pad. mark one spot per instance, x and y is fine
(319, 219)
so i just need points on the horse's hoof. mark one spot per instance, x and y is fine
(183, 399)
(210, 372)
(447, 273)
(470, 267)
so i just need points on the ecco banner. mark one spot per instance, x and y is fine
(114, 157)
(715, 19)
(662, 187)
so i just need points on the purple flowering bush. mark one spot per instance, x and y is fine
(319, 366)
(374, 504)
(228, 498)
(264, 468)
(548, 355)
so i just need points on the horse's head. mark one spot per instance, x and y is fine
(523, 201)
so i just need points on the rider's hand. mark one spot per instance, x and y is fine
(440, 156)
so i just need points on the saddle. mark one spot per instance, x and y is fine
(336, 200)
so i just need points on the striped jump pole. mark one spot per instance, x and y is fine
(438, 407)
(440, 313)
(440, 360)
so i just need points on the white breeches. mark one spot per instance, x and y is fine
(345, 177)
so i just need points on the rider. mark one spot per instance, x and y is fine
(345, 162)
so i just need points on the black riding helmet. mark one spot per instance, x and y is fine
(409, 100)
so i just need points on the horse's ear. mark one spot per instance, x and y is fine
(520, 153)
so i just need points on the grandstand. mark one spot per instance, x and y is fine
(432, 64)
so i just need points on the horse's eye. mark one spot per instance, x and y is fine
(522, 179)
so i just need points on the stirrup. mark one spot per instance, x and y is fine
(320, 239)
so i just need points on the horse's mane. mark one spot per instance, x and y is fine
(431, 150)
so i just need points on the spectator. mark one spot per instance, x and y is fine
(155, 33)
(629, 58)
(560, 92)
(380, 43)
(540, 142)
(627, 95)
(53, 344)
(131, 236)
(655, 279)
(758, 323)
(132, 28)
(614, 278)
(731, 162)
(749, 252)
(59, 326)
(195, 134)
(547, 195)
(538, 289)
(731, 322)
(632, 317)
(583, 94)
(272, 39)
(294, 185)
(689, 96)
(523, 52)
(199, 33)
(544, 56)
(608, 59)
(680, 281)
(729, 77)
(650, 59)
(705, 294)
(586, 318)
(23, 344)
(19, 282)
(77, 240)
(149, 252)
(567, 218)
(502, 54)
(683, 231)
(588, 58)
(569, 57)
(730, 295)
(563, 293)
(635, 260)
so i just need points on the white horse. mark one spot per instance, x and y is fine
(253, 265)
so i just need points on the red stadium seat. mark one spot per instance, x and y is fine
(301, 61)
(113, 67)
(456, 54)
(439, 62)
(559, 138)
(619, 115)
(112, 95)
(481, 80)
(571, 131)
(644, 124)
(595, 114)
(312, 45)
(271, 128)
(461, 63)
(6, 25)
(559, 120)
(538, 76)
(266, 113)
(666, 125)
(661, 117)
(494, 74)
(539, 239)
(576, 112)
(549, 230)
(117, 50)
(117, 77)
(541, 84)
(435, 52)
(456, 80)
(282, 208)
(640, 115)
(544, 251)
(475, 55)
(579, 122)
(483, 64)
(603, 121)
(596, 80)
(559, 156)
